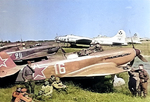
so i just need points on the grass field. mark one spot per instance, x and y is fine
(88, 90)
(78, 93)
(144, 47)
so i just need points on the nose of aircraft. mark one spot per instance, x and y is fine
(138, 53)
(56, 38)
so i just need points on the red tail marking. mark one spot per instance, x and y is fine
(6, 61)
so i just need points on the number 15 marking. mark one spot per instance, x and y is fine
(60, 68)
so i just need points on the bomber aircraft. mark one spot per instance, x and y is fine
(73, 39)
(97, 64)
(135, 39)
(118, 39)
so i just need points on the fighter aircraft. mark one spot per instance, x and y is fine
(10, 47)
(97, 64)
(36, 53)
(118, 39)
(73, 39)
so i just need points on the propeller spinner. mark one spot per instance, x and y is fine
(138, 54)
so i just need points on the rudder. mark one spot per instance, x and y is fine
(7, 66)
(120, 36)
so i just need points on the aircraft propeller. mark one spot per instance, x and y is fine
(131, 63)
(132, 43)
(138, 54)
(142, 58)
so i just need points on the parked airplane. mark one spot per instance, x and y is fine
(135, 39)
(118, 39)
(145, 39)
(73, 39)
(10, 47)
(36, 53)
(97, 64)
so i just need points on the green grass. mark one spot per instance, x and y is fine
(78, 94)
(144, 47)
(96, 90)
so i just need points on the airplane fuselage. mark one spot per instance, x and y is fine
(97, 64)
(72, 39)
(31, 53)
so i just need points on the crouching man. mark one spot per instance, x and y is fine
(46, 91)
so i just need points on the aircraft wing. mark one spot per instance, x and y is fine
(9, 71)
(100, 69)
(83, 41)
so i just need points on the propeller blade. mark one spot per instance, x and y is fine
(142, 58)
(132, 43)
(131, 63)
(131, 40)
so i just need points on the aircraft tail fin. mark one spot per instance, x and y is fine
(120, 37)
(7, 66)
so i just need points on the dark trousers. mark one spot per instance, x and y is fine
(132, 84)
(30, 84)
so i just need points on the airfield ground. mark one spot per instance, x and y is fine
(95, 90)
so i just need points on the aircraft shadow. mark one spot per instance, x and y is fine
(32, 60)
(8, 81)
(94, 84)
(76, 47)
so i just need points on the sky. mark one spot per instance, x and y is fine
(46, 19)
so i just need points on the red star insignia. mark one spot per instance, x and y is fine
(3, 62)
(38, 75)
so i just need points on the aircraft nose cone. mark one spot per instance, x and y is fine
(138, 52)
